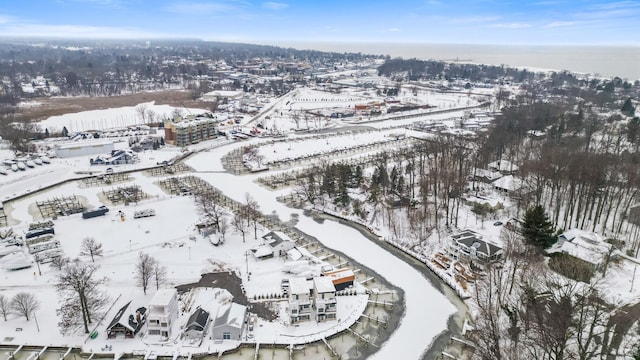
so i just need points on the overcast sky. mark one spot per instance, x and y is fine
(581, 22)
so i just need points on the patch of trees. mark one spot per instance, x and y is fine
(22, 304)
(528, 311)
(105, 68)
(81, 296)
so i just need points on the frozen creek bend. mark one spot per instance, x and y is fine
(427, 309)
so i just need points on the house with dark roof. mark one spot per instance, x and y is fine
(279, 242)
(196, 326)
(468, 245)
(229, 322)
(122, 326)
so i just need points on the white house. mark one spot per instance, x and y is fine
(229, 322)
(584, 245)
(469, 245)
(280, 243)
(503, 166)
(300, 299)
(324, 298)
(508, 184)
(163, 312)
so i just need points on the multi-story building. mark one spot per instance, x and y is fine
(190, 130)
(300, 299)
(324, 298)
(163, 312)
(468, 246)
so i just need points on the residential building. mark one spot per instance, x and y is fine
(196, 326)
(468, 245)
(229, 322)
(116, 157)
(586, 246)
(279, 242)
(299, 299)
(341, 278)
(163, 312)
(121, 326)
(324, 298)
(190, 130)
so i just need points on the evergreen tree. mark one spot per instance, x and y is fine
(628, 108)
(537, 229)
(65, 132)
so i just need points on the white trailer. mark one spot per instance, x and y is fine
(51, 244)
(144, 213)
(47, 255)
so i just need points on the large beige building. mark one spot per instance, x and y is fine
(190, 130)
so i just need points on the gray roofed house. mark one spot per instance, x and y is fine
(196, 326)
(229, 322)
(469, 245)
(279, 242)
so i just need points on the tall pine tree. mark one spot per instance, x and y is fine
(537, 229)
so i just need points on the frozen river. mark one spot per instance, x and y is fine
(427, 309)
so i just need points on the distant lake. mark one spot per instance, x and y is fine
(608, 61)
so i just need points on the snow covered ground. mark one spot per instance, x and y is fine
(167, 237)
(113, 118)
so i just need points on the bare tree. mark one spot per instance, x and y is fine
(91, 247)
(159, 275)
(208, 203)
(224, 227)
(239, 224)
(80, 291)
(24, 304)
(252, 210)
(142, 110)
(145, 270)
(5, 306)
(59, 262)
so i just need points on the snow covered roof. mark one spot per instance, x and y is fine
(163, 297)
(584, 245)
(231, 314)
(299, 285)
(508, 183)
(323, 284)
(274, 238)
(262, 251)
(502, 165)
(298, 253)
(117, 319)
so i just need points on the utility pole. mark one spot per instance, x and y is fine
(246, 260)
(633, 278)
(36, 319)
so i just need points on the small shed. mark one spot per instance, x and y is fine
(196, 326)
(229, 322)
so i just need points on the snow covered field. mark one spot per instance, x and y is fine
(113, 118)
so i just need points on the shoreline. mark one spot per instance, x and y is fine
(456, 320)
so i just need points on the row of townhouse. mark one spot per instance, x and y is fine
(312, 299)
